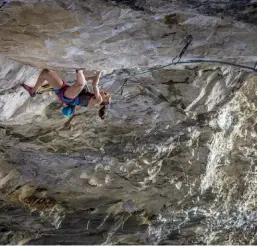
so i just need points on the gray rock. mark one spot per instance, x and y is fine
(174, 162)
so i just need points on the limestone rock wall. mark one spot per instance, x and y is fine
(99, 34)
(174, 162)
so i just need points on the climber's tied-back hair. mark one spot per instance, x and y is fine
(102, 111)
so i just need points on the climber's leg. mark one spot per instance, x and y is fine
(46, 75)
(75, 89)
(51, 77)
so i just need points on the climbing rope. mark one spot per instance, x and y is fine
(174, 62)
(188, 42)
(189, 39)
(177, 60)
(253, 69)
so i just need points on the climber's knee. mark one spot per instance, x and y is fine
(81, 82)
(45, 73)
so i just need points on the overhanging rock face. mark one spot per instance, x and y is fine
(98, 34)
(174, 163)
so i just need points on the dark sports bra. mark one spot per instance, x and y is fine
(84, 98)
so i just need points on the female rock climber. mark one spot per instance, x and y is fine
(75, 94)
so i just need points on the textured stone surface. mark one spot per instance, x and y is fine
(174, 163)
(99, 34)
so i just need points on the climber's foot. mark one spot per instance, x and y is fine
(29, 89)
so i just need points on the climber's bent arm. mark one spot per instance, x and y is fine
(95, 82)
(97, 99)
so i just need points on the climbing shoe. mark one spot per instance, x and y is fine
(29, 89)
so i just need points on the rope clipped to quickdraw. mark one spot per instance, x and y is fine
(3, 3)
(191, 61)
(189, 40)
